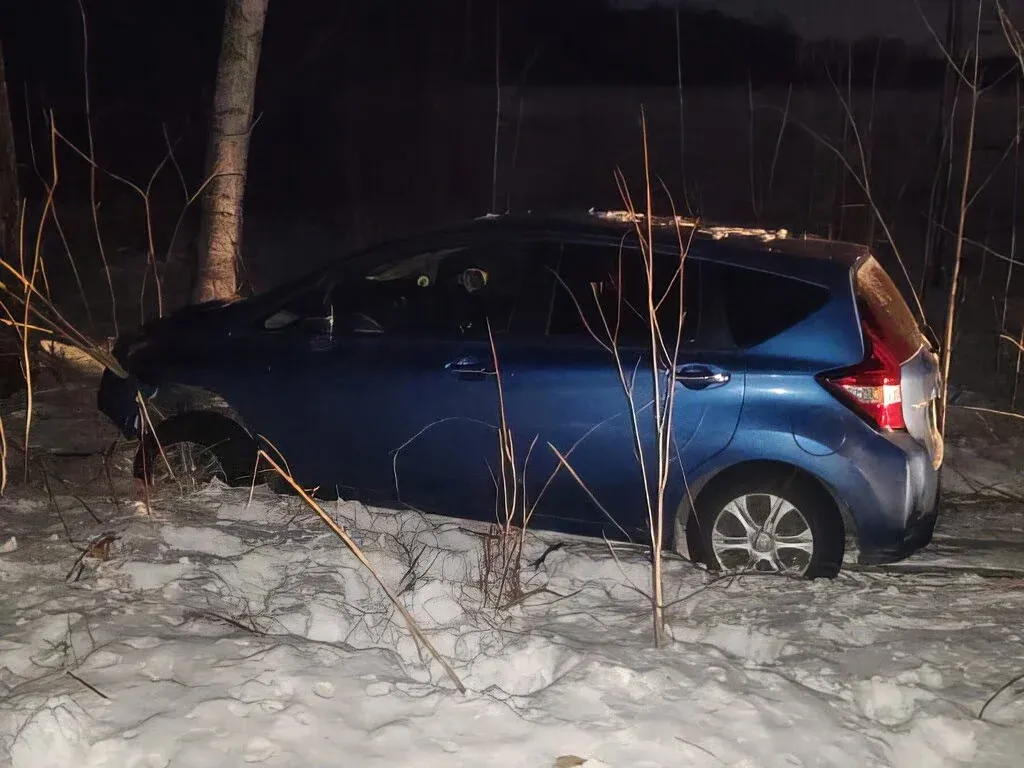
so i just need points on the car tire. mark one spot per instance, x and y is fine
(768, 489)
(229, 442)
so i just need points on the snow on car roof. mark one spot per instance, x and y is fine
(715, 232)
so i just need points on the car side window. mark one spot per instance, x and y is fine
(449, 292)
(603, 287)
(311, 305)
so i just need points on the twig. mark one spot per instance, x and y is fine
(538, 591)
(706, 751)
(93, 204)
(1017, 679)
(778, 140)
(30, 289)
(497, 111)
(91, 687)
(540, 560)
(947, 346)
(993, 411)
(865, 186)
(252, 629)
(355, 549)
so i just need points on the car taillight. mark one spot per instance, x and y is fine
(872, 387)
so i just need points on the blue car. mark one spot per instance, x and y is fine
(804, 390)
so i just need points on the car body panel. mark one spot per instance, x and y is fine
(570, 399)
(406, 420)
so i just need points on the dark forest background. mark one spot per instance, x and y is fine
(378, 118)
(152, 64)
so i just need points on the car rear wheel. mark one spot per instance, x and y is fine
(192, 448)
(768, 522)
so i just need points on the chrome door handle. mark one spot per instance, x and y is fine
(700, 376)
(469, 368)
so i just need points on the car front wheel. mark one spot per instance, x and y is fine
(768, 522)
(191, 448)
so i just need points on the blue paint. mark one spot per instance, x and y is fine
(359, 410)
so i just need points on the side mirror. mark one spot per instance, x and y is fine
(315, 324)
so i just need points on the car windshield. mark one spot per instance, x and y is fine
(423, 265)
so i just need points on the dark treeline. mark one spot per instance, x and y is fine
(159, 56)
(153, 62)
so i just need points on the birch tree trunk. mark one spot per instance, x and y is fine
(10, 196)
(220, 237)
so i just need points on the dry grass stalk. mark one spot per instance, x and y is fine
(340, 532)
(501, 566)
(93, 202)
(500, 574)
(1013, 226)
(36, 304)
(1016, 45)
(24, 293)
(497, 109)
(29, 287)
(1017, 370)
(52, 321)
(951, 302)
(3, 457)
(144, 194)
(663, 350)
(862, 179)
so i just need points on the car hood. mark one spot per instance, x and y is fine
(207, 321)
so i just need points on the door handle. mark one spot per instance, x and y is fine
(470, 368)
(700, 376)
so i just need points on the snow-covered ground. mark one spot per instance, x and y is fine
(222, 631)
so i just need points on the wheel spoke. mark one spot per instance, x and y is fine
(779, 509)
(739, 510)
(730, 542)
(803, 542)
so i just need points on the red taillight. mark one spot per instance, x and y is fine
(872, 387)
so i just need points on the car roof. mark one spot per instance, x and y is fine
(806, 257)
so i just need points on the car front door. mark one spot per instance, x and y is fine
(401, 400)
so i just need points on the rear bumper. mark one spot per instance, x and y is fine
(916, 536)
(899, 521)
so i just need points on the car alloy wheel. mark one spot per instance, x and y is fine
(761, 532)
(188, 465)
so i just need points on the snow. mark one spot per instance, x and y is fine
(227, 631)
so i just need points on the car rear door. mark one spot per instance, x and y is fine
(568, 390)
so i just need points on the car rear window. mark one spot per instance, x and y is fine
(760, 305)
(880, 300)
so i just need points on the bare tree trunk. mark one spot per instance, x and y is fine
(10, 197)
(227, 155)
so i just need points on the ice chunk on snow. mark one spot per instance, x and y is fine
(209, 541)
(888, 703)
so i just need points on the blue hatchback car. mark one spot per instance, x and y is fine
(804, 412)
